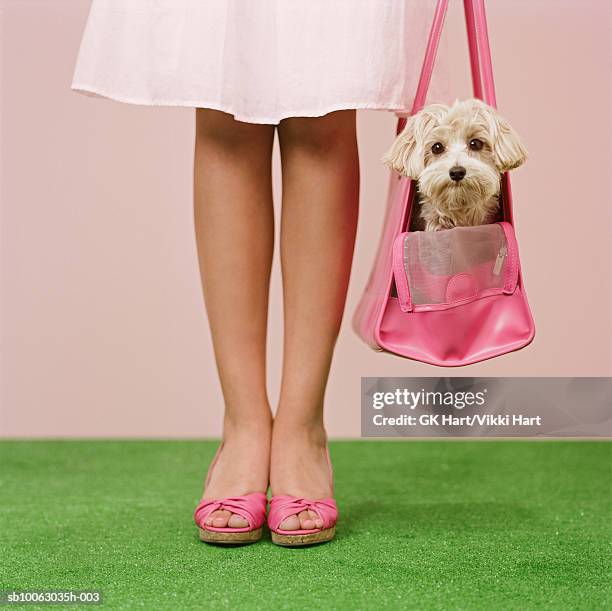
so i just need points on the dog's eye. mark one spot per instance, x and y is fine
(476, 144)
(437, 148)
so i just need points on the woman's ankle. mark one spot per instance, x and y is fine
(259, 424)
(291, 427)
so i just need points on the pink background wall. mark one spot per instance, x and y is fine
(102, 326)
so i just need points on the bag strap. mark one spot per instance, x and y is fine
(473, 48)
(480, 51)
(430, 55)
(431, 50)
(479, 48)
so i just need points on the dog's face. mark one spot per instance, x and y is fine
(456, 153)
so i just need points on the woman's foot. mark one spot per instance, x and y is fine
(299, 467)
(242, 467)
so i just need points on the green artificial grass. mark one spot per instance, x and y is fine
(423, 524)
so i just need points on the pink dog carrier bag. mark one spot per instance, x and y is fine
(451, 297)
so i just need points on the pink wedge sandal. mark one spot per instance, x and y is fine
(252, 507)
(283, 506)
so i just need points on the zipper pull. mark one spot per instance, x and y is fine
(499, 262)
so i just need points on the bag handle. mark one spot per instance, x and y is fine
(480, 55)
(473, 48)
(430, 55)
(484, 85)
(480, 51)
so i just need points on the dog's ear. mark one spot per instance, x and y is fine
(406, 155)
(508, 150)
(507, 147)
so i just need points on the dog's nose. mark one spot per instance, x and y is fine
(457, 173)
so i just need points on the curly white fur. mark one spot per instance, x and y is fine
(469, 137)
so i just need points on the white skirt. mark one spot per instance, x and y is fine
(259, 60)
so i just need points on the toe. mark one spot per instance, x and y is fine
(236, 521)
(210, 517)
(220, 518)
(290, 523)
(314, 516)
(306, 522)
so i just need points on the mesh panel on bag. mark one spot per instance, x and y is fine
(454, 264)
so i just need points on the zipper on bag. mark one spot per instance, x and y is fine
(499, 262)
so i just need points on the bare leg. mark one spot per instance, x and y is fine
(319, 217)
(235, 232)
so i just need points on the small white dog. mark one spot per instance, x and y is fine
(457, 154)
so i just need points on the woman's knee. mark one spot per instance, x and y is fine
(318, 134)
(222, 131)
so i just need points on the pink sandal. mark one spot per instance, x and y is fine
(283, 506)
(252, 507)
